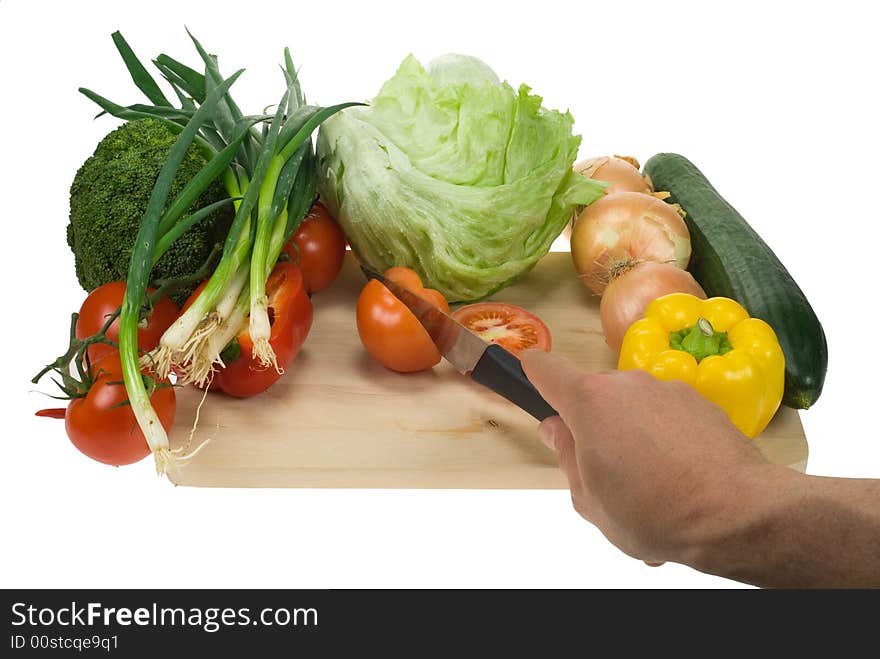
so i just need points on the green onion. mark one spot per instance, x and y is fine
(184, 342)
(138, 278)
(259, 319)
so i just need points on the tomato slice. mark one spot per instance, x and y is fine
(510, 326)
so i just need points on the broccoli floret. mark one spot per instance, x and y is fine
(109, 195)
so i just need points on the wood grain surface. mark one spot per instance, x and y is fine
(337, 419)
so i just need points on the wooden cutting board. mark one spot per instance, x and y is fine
(338, 419)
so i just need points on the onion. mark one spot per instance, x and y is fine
(622, 172)
(625, 228)
(627, 297)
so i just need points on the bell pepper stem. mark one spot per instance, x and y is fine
(700, 341)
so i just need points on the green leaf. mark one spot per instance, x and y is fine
(139, 74)
(313, 122)
(303, 192)
(294, 122)
(228, 112)
(185, 224)
(179, 87)
(227, 109)
(146, 112)
(179, 115)
(285, 181)
(213, 137)
(252, 194)
(185, 101)
(203, 178)
(191, 81)
(162, 188)
(223, 118)
(296, 99)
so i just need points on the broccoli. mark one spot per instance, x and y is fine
(109, 195)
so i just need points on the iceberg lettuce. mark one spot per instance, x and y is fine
(453, 173)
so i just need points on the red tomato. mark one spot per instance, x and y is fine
(290, 314)
(511, 327)
(103, 427)
(389, 330)
(106, 299)
(318, 247)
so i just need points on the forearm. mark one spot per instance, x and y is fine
(791, 530)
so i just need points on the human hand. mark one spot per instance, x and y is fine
(661, 471)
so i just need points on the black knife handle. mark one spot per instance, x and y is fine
(502, 373)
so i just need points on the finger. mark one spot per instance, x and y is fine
(654, 563)
(548, 429)
(553, 376)
(555, 434)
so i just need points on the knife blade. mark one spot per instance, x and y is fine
(486, 363)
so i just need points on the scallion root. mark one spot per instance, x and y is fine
(147, 361)
(158, 360)
(182, 454)
(264, 354)
(202, 367)
(171, 461)
(166, 461)
(260, 329)
(188, 358)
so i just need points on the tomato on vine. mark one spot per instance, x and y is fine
(101, 423)
(104, 301)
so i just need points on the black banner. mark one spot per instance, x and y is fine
(414, 623)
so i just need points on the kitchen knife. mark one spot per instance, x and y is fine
(487, 363)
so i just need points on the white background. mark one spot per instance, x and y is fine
(775, 102)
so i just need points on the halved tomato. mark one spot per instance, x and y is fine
(390, 332)
(508, 325)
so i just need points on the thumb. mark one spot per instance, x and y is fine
(553, 376)
(554, 434)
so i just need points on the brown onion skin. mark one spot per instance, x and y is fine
(646, 229)
(621, 174)
(626, 298)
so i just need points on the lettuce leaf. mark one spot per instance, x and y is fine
(454, 174)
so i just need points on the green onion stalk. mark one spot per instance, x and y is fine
(270, 177)
(280, 186)
(242, 308)
(274, 224)
(259, 318)
(142, 259)
(202, 320)
(183, 343)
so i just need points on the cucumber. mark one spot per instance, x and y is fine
(729, 259)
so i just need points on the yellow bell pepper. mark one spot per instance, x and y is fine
(733, 360)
